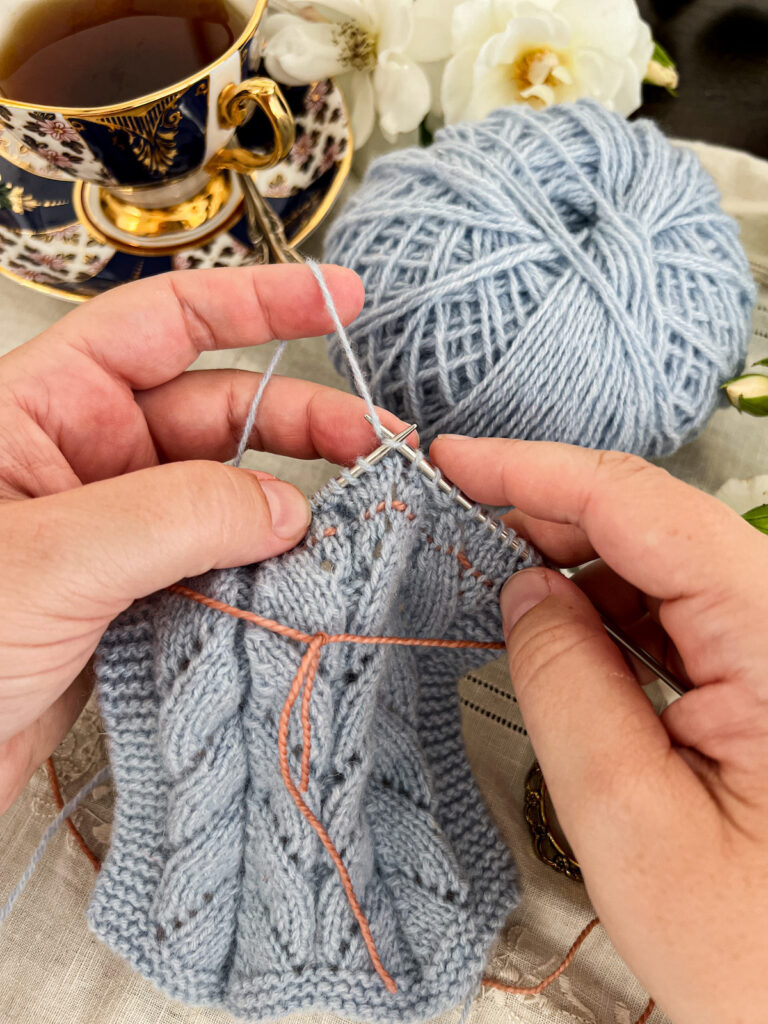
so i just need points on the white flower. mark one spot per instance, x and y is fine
(368, 43)
(544, 52)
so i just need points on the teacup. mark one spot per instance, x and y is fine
(166, 153)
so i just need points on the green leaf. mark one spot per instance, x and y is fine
(661, 56)
(753, 406)
(761, 362)
(758, 517)
(425, 135)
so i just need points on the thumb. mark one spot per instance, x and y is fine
(111, 542)
(594, 731)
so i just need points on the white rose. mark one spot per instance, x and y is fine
(544, 52)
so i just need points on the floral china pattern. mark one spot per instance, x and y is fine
(53, 142)
(66, 255)
(322, 138)
(224, 251)
(47, 247)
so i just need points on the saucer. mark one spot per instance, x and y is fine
(48, 243)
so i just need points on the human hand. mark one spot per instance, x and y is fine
(98, 505)
(668, 817)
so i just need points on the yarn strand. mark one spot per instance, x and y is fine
(58, 799)
(360, 382)
(47, 836)
(256, 402)
(357, 374)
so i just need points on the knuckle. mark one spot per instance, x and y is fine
(194, 323)
(613, 471)
(622, 465)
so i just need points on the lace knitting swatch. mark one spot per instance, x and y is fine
(215, 886)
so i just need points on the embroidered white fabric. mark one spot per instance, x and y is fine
(55, 972)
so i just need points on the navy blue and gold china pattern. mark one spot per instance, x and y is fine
(42, 242)
(162, 140)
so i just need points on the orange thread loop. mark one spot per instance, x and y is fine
(303, 683)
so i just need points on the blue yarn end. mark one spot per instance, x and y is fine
(215, 888)
(561, 275)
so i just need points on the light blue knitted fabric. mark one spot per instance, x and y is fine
(559, 275)
(215, 888)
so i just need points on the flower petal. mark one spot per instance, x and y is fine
(358, 90)
(456, 89)
(608, 25)
(298, 52)
(338, 11)
(395, 24)
(402, 95)
(431, 35)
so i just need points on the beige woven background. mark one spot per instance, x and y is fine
(53, 971)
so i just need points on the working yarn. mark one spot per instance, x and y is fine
(215, 886)
(562, 274)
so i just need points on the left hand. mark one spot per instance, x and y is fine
(99, 503)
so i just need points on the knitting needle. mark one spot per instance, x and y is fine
(378, 455)
(430, 472)
(617, 635)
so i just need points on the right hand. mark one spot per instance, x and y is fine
(668, 817)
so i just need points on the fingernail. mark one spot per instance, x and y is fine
(288, 507)
(452, 437)
(522, 592)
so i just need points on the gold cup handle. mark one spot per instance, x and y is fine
(236, 104)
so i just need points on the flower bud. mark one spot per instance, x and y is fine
(748, 393)
(663, 75)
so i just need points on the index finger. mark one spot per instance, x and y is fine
(160, 325)
(662, 535)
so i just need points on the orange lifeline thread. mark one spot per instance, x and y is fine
(535, 990)
(302, 684)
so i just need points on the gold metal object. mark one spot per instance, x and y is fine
(547, 847)
(134, 106)
(318, 215)
(265, 229)
(236, 104)
(192, 213)
(141, 246)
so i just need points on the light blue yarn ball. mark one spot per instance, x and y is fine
(563, 275)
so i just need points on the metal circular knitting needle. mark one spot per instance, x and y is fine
(432, 473)
(619, 637)
(363, 465)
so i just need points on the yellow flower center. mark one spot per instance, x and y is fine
(538, 73)
(358, 48)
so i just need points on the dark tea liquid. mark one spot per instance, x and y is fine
(91, 53)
